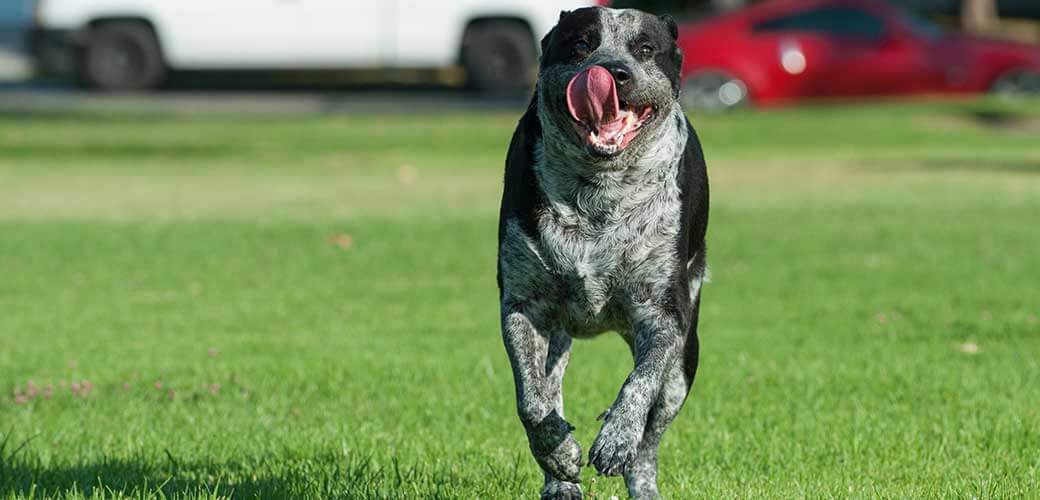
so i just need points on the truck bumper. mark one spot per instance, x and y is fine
(55, 52)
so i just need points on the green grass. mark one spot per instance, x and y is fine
(306, 307)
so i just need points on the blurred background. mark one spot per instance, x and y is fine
(738, 52)
(247, 250)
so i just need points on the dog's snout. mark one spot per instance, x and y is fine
(621, 73)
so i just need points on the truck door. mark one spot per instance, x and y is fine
(229, 34)
(345, 33)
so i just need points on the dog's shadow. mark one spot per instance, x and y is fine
(138, 479)
(327, 476)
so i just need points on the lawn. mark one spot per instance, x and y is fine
(279, 306)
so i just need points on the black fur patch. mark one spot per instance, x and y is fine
(579, 25)
(522, 198)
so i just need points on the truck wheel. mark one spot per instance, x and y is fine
(122, 56)
(500, 57)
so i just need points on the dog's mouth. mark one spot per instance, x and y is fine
(606, 124)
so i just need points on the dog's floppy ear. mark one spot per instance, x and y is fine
(548, 36)
(545, 44)
(676, 55)
(669, 22)
(678, 58)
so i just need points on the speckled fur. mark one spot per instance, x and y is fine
(590, 244)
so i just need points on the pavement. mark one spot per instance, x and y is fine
(40, 98)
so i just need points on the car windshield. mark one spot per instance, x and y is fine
(920, 25)
(836, 21)
(680, 9)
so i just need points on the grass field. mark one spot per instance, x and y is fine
(274, 307)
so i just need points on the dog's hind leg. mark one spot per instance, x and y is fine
(641, 474)
(548, 434)
(555, 366)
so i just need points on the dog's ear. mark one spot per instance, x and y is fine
(676, 57)
(546, 40)
(669, 22)
(548, 36)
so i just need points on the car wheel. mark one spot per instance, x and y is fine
(122, 56)
(499, 57)
(1020, 82)
(712, 92)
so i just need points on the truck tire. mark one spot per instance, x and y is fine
(122, 56)
(500, 57)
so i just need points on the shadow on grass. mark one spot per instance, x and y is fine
(1010, 165)
(327, 476)
(22, 117)
(122, 150)
(956, 164)
(139, 479)
(123, 478)
(1003, 118)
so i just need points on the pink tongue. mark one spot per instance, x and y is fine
(592, 97)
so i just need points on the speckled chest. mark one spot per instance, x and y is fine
(602, 267)
(599, 248)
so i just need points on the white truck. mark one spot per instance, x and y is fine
(133, 44)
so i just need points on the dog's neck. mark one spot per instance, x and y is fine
(570, 177)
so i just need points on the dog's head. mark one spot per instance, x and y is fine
(607, 78)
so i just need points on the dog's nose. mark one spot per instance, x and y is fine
(621, 74)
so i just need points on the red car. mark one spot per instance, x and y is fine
(787, 50)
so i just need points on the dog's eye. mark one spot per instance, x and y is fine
(646, 51)
(581, 47)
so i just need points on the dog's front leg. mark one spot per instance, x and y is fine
(656, 339)
(549, 435)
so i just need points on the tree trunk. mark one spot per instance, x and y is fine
(979, 16)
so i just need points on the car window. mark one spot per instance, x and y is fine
(680, 9)
(835, 21)
(924, 28)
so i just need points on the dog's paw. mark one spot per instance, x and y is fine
(561, 490)
(555, 449)
(615, 448)
(562, 462)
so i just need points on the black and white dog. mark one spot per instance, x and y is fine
(602, 228)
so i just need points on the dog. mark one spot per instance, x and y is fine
(602, 228)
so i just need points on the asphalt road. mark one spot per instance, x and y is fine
(49, 98)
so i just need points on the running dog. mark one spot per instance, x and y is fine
(602, 228)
